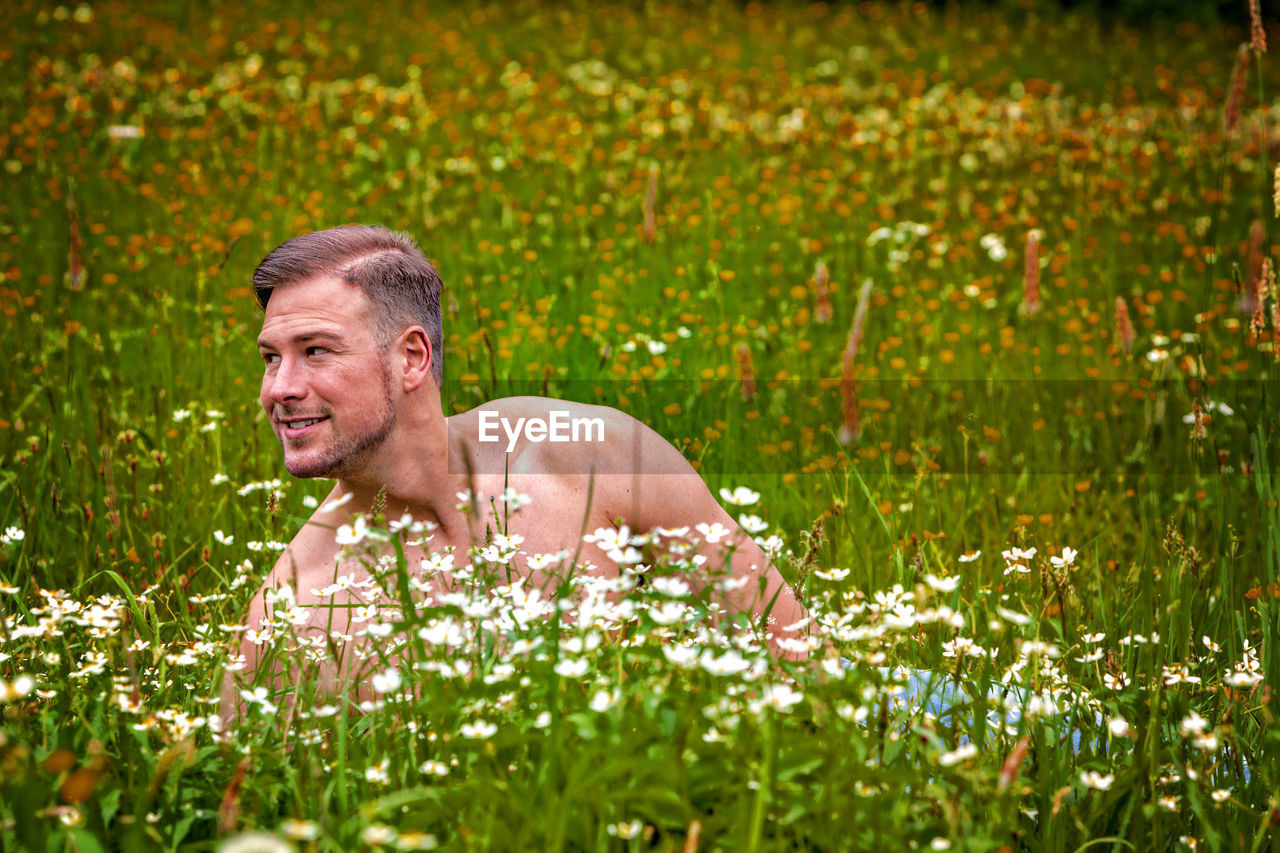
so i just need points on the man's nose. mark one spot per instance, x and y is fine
(286, 383)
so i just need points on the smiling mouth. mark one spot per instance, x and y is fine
(294, 427)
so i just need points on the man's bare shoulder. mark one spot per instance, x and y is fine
(540, 435)
(312, 547)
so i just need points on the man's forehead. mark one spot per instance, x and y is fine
(321, 288)
(325, 302)
(303, 334)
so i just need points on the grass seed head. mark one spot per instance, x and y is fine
(1125, 333)
(1258, 320)
(1031, 276)
(650, 203)
(1257, 32)
(747, 372)
(823, 311)
(1231, 113)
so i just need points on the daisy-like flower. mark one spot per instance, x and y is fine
(1097, 781)
(1119, 727)
(337, 502)
(741, 496)
(1014, 616)
(955, 756)
(255, 842)
(713, 533)
(387, 681)
(626, 831)
(950, 584)
(730, 663)
(377, 834)
(479, 730)
(352, 534)
(258, 696)
(440, 561)
(970, 556)
(682, 656)
(603, 700)
(223, 538)
(962, 646)
(613, 539)
(1115, 682)
(628, 556)
(571, 667)
(538, 562)
(300, 830)
(1068, 558)
(1220, 795)
(1192, 724)
(779, 697)
(513, 500)
(508, 543)
(414, 840)
(16, 689)
(674, 587)
(1242, 678)
(832, 574)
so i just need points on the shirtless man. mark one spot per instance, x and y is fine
(352, 369)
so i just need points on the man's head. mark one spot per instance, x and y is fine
(386, 265)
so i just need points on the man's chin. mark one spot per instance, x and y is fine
(305, 469)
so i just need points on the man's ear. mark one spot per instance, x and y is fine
(415, 348)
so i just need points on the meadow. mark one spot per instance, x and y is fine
(970, 315)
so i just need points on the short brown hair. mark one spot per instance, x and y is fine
(387, 265)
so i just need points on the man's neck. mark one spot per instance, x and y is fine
(422, 476)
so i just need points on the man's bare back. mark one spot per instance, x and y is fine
(351, 387)
(565, 500)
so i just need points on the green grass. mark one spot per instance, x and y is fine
(517, 146)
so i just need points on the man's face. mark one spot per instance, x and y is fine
(326, 385)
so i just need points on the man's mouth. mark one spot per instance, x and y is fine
(295, 427)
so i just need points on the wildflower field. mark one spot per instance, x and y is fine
(969, 316)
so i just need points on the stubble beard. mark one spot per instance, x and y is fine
(345, 457)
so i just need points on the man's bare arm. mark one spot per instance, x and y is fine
(669, 493)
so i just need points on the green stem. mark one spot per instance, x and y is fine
(765, 782)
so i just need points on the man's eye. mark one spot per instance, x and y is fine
(316, 350)
(270, 358)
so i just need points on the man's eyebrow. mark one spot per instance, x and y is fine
(303, 337)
